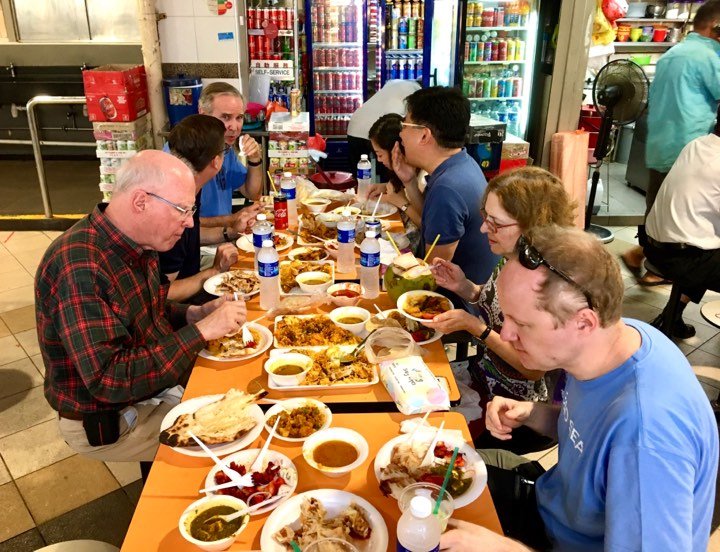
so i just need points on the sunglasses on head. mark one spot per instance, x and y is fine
(531, 258)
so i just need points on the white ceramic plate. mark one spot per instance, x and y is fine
(402, 300)
(246, 457)
(292, 255)
(473, 459)
(211, 284)
(222, 449)
(290, 404)
(383, 210)
(334, 501)
(245, 243)
(437, 335)
(267, 341)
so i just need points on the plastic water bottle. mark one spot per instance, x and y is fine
(370, 265)
(262, 230)
(269, 273)
(513, 126)
(418, 530)
(364, 177)
(288, 186)
(346, 242)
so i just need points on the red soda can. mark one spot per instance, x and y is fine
(251, 16)
(517, 87)
(281, 18)
(336, 81)
(267, 46)
(319, 57)
(281, 213)
(495, 52)
(341, 57)
(347, 104)
(276, 57)
(265, 15)
(253, 47)
(358, 81)
(502, 50)
(316, 81)
(333, 57)
(289, 18)
(274, 16)
(357, 102)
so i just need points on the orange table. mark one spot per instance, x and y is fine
(175, 480)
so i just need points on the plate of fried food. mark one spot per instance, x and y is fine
(308, 254)
(325, 513)
(277, 477)
(289, 271)
(311, 229)
(422, 335)
(225, 423)
(242, 282)
(383, 210)
(282, 241)
(399, 464)
(310, 330)
(421, 305)
(327, 372)
(299, 419)
(231, 348)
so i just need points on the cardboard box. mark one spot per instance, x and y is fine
(122, 131)
(285, 122)
(114, 79)
(123, 107)
(515, 148)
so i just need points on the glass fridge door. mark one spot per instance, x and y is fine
(444, 42)
(403, 55)
(336, 45)
(497, 57)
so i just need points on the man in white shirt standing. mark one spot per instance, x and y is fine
(683, 226)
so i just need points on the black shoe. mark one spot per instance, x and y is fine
(679, 329)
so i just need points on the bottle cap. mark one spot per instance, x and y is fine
(268, 243)
(364, 157)
(287, 175)
(261, 217)
(421, 506)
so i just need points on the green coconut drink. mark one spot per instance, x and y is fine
(407, 273)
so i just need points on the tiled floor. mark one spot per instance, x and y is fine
(50, 494)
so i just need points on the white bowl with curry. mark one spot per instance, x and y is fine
(288, 369)
(314, 281)
(197, 527)
(352, 319)
(335, 451)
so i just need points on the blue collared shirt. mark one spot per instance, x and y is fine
(683, 99)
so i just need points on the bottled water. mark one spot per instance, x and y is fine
(262, 230)
(364, 178)
(513, 124)
(288, 186)
(370, 265)
(418, 530)
(269, 273)
(346, 242)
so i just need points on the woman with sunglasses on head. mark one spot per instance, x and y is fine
(402, 190)
(514, 202)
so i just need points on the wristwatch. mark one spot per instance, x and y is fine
(405, 207)
(486, 332)
(225, 234)
(254, 163)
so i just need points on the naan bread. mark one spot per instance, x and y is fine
(220, 422)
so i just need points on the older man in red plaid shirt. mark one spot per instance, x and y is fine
(109, 339)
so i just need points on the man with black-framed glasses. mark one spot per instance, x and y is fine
(638, 442)
(433, 138)
(199, 140)
(110, 340)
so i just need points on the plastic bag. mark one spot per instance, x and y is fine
(390, 343)
(614, 9)
(603, 32)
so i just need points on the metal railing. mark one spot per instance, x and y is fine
(36, 142)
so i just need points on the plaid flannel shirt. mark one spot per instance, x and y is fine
(107, 334)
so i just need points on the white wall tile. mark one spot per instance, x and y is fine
(175, 8)
(208, 8)
(177, 40)
(209, 48)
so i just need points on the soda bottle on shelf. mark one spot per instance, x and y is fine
(364, 177)
(370, 265)
(346, 242)
(262, 230)
(513, 124)
(418, 529)
(269, 275)
(288, 186)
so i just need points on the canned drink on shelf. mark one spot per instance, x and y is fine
(517, 87)
(332, 57)
(500, 16)
(488, 18)
(418, 68)
(495, 50)
(487, 51)
(412, 44)
(289, 18)
(510, 49)
(347, 81)
(520, 50)
(487, 87)
(473, 55)
(274, 16)
(479, 85)
(265, 15)
(467, 51)
(395, 73)
(412, 26)
(394, 39)
(280, 14)
(420, 32)
(357, 102)
(402, 41)
(403, 25)
(502, 50)
(251, 17)
(341, 57)
(501, 88)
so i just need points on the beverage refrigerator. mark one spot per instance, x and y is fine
(496, 59)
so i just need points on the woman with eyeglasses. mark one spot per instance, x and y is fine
(514, 202)
(402, 189)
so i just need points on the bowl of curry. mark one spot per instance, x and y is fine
(199, 526)
(335, 451)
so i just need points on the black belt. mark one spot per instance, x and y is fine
(75, 416)
(668, 245)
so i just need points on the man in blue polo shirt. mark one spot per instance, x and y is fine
(224, 102)
(433, 135)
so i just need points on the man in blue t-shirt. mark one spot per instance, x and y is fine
(224, 102)
(638, 442)
(433, 134)
(199, 141)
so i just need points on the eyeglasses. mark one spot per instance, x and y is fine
(185, 212)
(411, 125)
(531, 259)
(492, 225)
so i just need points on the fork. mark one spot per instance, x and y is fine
(237, 479)
(247, 337)
(427, 460)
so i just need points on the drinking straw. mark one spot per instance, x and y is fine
(295, 546)
(392, 241)
(446, 480)
(427, 255)
(377, 203)
(272, 182)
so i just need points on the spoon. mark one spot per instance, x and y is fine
(227, 518)
(257, 464)
(352, 355)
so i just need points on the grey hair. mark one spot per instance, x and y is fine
(211, 91)
(134, 173)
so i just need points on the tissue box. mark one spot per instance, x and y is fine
(413, 386)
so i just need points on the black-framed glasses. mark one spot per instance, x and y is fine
(531, 258)
(185, 212)
(492, 225)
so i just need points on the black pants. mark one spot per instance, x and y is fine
(696, 269)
